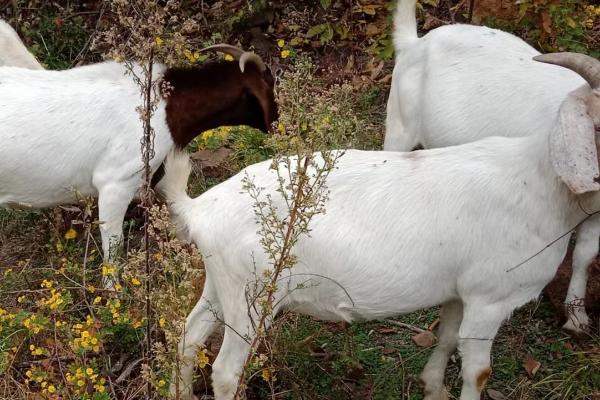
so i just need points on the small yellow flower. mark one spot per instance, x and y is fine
(202, 359)
(281, 127)
(158, 41)
(108, 270)
(280, 43)
(135, 281)
(228, 57)
(51, 389)
(71, 234)
(162, 322)
(21, 299)
(285, 54)
(80, 383)
(97, 300)
(89, 371)
(161, 383)
(266, 374)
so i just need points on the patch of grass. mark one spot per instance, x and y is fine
(58, 39)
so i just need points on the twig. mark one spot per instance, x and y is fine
(407, 326)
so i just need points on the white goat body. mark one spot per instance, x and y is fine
(461, 83)
(402, 231)
(12, 50)
(77, 132)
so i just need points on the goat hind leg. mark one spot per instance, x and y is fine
(434, 371)
(200, 324)
(113, 201)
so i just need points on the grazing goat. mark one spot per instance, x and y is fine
(454, 226)
(461, 83)
(77, 132)
(12, 50)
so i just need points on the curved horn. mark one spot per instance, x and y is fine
(233, 51)
(249, 56)
(587, 67)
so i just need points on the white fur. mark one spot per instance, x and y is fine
(75, 132)
(402, 232)
(12, 50)
(461, 83)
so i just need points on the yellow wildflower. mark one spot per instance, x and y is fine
(202, 359)
(158, 41)
(51, 389)
(228, 57)
(135, 281)
(108, 270)
(285, 54)
(71, 234)
(161, 383)
(280, 43)
(21, 299)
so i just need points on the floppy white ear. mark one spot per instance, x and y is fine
(573, 146)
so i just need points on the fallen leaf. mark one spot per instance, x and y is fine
(531, 366)
(210, 158)
(373, 30)
(424, 339)
(546, 22)
(386, 331)
(496, 395)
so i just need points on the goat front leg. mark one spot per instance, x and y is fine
(585, 252)
(113, 201)
(434, 372)
(475, 337)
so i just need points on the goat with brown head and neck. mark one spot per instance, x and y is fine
(76, 133)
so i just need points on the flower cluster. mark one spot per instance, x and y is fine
(34, 323)
(81, 378)
(87, 337)
(54, 301)
(592, 12)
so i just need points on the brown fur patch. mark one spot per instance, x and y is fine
(483, 377)
(218, 94)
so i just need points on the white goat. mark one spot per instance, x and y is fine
(403, 231)
(12, 50)
(65, 133)
(461, 83)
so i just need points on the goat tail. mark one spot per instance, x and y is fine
(405, 24)
(177, 172)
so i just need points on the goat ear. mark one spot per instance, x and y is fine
(573, 146)
(262, 89)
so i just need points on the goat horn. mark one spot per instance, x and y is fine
(587, 67)
(239, 54)
(249, 56)
(233, 51)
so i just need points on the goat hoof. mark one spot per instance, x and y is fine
(576, 327)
